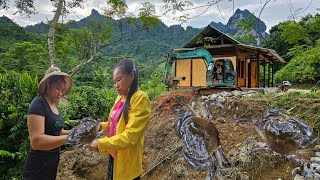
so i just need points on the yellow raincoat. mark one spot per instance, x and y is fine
(127, 144)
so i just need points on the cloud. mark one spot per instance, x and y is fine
(276, 11)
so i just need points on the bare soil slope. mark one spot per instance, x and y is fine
(162, 154)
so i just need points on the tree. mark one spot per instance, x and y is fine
(118, 9)
(115, 9)
(304, 32)
(291, 38)
(303, 68)
(26, 56)
(245, 35)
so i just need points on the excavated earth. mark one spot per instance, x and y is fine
(162, 154)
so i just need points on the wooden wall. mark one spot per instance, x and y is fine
(183, 69)
(254, 75)
(195, 71)
(199, 72)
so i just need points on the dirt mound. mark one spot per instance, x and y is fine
(79, 163)
(162, 154)
(168, 102)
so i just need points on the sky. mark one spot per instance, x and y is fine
(274, 12)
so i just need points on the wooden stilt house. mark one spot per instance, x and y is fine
(247, 61)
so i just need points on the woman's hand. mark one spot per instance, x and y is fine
(94, 145)
(64, 132)
(104, 131)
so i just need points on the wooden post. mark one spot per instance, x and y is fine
(238, 65)
(269, 74)
(264, 73)
(191, 72)
(175, 69)
(258, 70)
(272, 73)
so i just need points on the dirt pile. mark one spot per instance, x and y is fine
(163, 159)
(79, 163)
(162, 154)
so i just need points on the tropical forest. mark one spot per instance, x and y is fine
(265, 132)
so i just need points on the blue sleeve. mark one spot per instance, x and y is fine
(37, 107)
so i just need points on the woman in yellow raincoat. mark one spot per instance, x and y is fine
(127, 123)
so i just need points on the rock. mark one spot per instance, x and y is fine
(237, 93)
(204, 97)
(315, 160)
(298, 177)
(317, 148)
(317, 167)
(318, 154)
(316, 176)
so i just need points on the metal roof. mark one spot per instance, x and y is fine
(211, 31)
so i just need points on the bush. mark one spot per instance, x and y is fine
(85, 101)
(153, 87)
(16, 93)
(303, 68)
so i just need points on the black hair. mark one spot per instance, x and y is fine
(53, 80)
(127, 66)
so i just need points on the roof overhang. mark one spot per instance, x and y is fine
(228, 42)
(270, 53)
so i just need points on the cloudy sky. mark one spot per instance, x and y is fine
(275, 11)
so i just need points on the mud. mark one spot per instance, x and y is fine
(162, 154)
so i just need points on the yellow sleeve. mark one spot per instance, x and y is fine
(138, 119)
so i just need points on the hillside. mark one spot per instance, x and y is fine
(150, 45)
(11, 33)
(145, 45)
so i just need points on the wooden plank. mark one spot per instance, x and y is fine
(183, 67)
(199, 71)
(221, 46)
(258, 70)
(242, 71)
(254, 75)
(246, 72)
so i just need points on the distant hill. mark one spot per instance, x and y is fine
(151, 44)
(40, 28)
(11, 33)
(146, 45)
(232, 29)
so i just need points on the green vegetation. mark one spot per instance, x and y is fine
(298, 43)
(244, 35)
(24, 58)
(16, 92)
(10, 33)
(303, 68)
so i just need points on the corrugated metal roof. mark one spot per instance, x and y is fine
(209, 31)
